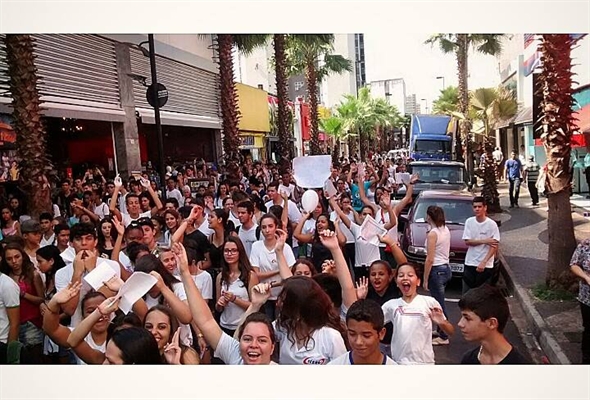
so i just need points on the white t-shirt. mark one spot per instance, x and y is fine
(9, 298)
(411, 342)
(325, 345)
(102, 210)
(186, 336)
(382, 218)
(175, 193)
(204, 283)
(228, 351)
(64, 276)
(88, 339)
(365, 252)
(443, 245)
(248, 237)
(47, 242)
(475, 231)
(127, 220)
(266, 261)
(346, 359)
(232, 313)
(347, 233)
(231, 217)
(204, 228)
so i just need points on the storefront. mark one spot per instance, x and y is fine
(254, 122)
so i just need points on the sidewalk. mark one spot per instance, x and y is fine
(556, 325)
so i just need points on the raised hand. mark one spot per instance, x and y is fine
(281, 239)
(145, 182)
(109, 306)
(414, 178)
(260, 293)
(114, 284)
(437, 316)
(172, 351)
(362, 288)
(181, 257)
(329, 267)
(196, 212)
(118, 226)
(329, 239)
(67, 293)
(160, 283)
(118, 182)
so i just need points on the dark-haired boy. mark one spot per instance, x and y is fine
(482, 236)
(365, 329)
(48, 236)
(484, 314)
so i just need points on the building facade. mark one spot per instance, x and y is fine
(393, 90)
(412, 106)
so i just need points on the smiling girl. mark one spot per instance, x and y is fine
(412, 316)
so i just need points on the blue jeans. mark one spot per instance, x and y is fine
(440, 275)
(514, 190)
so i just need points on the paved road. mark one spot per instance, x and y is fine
(452, 353)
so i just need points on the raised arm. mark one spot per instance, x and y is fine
(408, 197)
(284, 269)
(298, 234)
(339, 212)
(113, 203)
(330, 241)
(178, 236)
(178, 307)
(147, 186)
(201, 313)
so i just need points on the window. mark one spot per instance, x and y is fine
(456, 211)
(432, 146)
(442, 174)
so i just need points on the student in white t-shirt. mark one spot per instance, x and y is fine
(9, 314)
(365, 327)
(88, 340)
(247, 230)
(482, 236)
(263, 259)
(133, 204)
(256, 337)
(308, 329)
(412, 316)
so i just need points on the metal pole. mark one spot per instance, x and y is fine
(157, 116)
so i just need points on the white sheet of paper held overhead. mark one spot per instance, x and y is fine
(138, 284)
(311, 172)
(329, 189)
(371, 231)
(100, 274)
(402, 177)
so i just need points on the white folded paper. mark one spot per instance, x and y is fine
(311, 172)
(138, 284)
(402, 177)
(371, 231)
(102, 273)
(329, 189)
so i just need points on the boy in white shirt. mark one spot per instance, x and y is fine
(365, 325)
(9, 314)
(482, 236)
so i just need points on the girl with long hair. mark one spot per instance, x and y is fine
(437, 271)
(107, 237)
(10, 225)
(18, 266)
(172, 222)
(234, 284)
(222, 193)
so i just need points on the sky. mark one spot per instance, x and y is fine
(389, 56)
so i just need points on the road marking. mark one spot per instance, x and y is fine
(452, 300)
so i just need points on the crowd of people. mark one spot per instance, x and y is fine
(244, 274)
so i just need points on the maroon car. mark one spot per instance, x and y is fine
(457, 207)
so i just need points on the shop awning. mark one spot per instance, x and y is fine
(524, 116)
(90, 111)
(178, 119)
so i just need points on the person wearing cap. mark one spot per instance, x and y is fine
(31, 231)
(531, 175)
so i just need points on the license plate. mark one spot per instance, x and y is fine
(457, 267)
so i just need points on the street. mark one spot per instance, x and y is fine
(452, 353)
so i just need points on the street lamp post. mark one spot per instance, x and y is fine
(443, 80)
(425, 105)
(156, 105)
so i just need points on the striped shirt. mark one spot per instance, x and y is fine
(532, 171)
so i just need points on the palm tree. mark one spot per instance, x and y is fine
(280, 61)
(558, 124)
(335, 126)
(303, 54)
(447, 102)
(490, 106)
(34, 166)
(459, 44)
(230, 114)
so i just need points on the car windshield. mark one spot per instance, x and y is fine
(456, 211)
(438, 174)
(432, 146)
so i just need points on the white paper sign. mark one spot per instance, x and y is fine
(329, 189)
(68, 255)
(102, 273)
(311, 172)
(402, 177)
(371, 231)
(138, 284)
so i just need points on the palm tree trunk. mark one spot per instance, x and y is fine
(229, 105)
(363, 144)
(30, 131)
(463, 89)
(312, 91)
(336, 152)
(557, 119)
(284, 144)
(353, 146)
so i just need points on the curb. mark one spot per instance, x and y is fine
(541, 331)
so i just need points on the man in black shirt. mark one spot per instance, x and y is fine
(484, 314)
